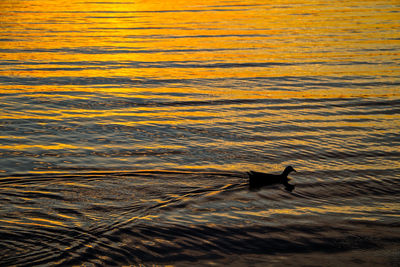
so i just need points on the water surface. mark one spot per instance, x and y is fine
(127, 129)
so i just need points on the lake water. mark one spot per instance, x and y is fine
(127, 128)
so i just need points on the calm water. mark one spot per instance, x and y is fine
(127, 129)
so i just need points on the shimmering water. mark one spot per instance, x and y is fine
(127, 129)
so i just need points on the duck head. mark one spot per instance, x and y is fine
(288, 170)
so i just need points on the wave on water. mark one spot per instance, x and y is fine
(282, 83)
(163, 217)
(95, 96)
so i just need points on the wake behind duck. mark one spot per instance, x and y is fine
(260, 179)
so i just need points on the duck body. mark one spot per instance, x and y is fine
(260, 179)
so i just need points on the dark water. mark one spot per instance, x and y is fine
(127, 128)
(206, 218)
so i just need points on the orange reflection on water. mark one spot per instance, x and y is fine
(46, 147)
(51, 224)
(362, 211)
(113, 63)
(150, 32)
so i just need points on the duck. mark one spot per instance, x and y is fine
(260, 179)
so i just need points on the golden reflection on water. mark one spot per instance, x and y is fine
(192, 51)
(46, 147)
(343, 210)
(276, 33)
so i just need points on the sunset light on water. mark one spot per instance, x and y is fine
(128, 128)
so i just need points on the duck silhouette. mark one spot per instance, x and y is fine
(260, 179)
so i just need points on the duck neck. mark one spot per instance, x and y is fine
(285, 173)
